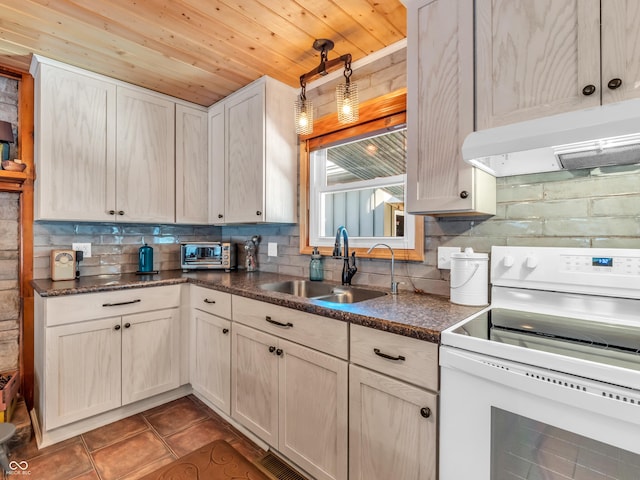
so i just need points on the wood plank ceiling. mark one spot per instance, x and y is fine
(197, 50)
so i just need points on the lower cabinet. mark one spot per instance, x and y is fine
(96, 352)
(211, 358)
(292, 397)
(99, 365)
(392, 428)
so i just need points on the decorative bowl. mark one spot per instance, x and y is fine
(13, 166)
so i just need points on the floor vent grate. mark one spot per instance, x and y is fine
(279, 469)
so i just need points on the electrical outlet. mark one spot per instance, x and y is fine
(84, 247)
(272, 249)
(444, 257)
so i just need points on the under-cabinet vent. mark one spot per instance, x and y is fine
(279, 469)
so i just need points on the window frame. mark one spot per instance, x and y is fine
(375, 115)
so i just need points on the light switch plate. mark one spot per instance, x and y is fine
(444, 257)
(84, 247)
(272, 249)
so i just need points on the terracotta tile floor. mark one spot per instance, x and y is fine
(134, 446)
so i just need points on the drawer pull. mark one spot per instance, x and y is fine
(280, 324)
(225, 331)
(279, 352)
(127, 325)
(206, 300)
(117, 304)
(272, 349)
(425, 412)
(388, 357)
(117, 327)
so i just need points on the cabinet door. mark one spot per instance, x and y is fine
(217, 174)
(211, 358)
(440, 112)
(145, 182)
(254, 382)
(192, 166)
(82, 370)
(388, 435)
(533, 59)
(75, 146)
(244, 195)
(620, 50)
(313, 411)
(150, 354)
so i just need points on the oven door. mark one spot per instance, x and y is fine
(503, 420)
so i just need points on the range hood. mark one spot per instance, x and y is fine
(594, 137)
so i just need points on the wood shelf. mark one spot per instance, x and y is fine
(12, 177)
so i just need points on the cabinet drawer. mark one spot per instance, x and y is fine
(420, 358)
(211, 301)
(321, 333)
(89, 306)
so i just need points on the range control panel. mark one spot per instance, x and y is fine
(597, 271)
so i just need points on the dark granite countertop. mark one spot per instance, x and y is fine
(410, 314)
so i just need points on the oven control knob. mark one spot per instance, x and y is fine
(507, 261)
(532, 262)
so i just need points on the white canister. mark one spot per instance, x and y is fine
(469, 278)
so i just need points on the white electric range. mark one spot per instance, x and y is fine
(545, 382)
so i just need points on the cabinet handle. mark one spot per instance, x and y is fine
(285, 325)
(117, 327)
(127, 325)
(272, 349)
(120, 212)
(464, 194)
(117, 304)
(206, 300)
(279, 352)
(112, 212)
(425, 412)
(220, 215)
(388, 357)
(225, 331)
(589, 90)
(258, 213)
(614, 83)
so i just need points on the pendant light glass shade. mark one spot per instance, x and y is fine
(348, 105)
(303, 116)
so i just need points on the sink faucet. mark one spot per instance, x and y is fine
(394, 284)
(348, 270)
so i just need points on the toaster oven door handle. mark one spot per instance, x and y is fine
(280, 324)
(117, 304)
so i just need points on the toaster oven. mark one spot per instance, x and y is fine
(208, 256)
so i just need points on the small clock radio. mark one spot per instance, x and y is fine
(63, 264)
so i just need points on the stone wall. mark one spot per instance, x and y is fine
(9, 280)
(10, 312)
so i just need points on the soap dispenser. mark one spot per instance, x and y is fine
(145, 259)
(316, 272)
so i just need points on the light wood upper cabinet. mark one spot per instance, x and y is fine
(74, 145)
(145, 181)
(192, 167)
(620, 49)
(106, 151)
(260, 154)
(542, 58)
(440, 110)
(216, 164)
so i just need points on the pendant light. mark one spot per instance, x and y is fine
(346, 93)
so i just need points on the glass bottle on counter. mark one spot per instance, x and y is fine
(316, 272)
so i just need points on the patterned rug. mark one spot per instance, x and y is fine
(216, 461)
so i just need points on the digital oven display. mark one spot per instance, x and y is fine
(602, 261)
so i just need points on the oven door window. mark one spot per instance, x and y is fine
(526, 449)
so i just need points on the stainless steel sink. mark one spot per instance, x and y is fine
(322, 292)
